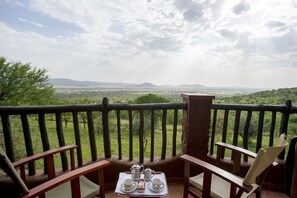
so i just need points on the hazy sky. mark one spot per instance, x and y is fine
(245, 43)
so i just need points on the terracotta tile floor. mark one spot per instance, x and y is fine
(176, 191)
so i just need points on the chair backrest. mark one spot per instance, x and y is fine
(265, 157)
(290, 161)
(8, 168)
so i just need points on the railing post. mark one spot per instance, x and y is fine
(284, 123)
(285, 117)
(105, 125)
(8, 137)
(196, 124)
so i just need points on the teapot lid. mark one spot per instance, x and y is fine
(136, 166)
(147, 169)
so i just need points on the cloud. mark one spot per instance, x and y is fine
(37, 24)
(268, 46)
(241, 7)
(170, 42)
(132, 26)
(275, 24)
(228, 34)
(183, 5)
(281, 44)
(31, 22)
(23, 20)
(285, 43)
(164, 44)
(193, 14)
(192, 11)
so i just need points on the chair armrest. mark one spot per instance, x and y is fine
(206, 167)
(41, 189)
(41, 155)
(236, 148)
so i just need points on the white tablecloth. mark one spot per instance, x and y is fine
(147, 192)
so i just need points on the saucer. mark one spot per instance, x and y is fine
(154, 190)
(130, 190)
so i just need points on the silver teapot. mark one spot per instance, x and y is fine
(148, 174)
(136, 171)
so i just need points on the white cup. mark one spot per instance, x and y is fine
(156, 184)
(128, 184)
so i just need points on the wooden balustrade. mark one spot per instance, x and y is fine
(231, 119)
(201, 126)
(105, 109)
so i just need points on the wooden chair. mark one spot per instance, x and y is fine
(291, 169)
(216, 182)
(69, 184)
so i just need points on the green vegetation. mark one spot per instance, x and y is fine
(149, 98)
(145, 99)
(273, 97)
(116, 95)
(276, 97)
(20, 84)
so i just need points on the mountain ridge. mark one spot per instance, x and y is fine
(65, 82)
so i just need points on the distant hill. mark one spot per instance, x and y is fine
(147, 85)
(277, 97)
(67, 88)
(194, 86)
(64, 82)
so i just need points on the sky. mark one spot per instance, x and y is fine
(218, 43)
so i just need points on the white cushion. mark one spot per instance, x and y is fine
(88, 189)
(219, 187)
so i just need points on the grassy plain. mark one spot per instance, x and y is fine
(123, 95)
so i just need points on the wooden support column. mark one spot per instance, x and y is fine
(196, 123)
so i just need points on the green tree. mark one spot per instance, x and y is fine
(144, 99)
(253, 128)
(150, 98)
(21, 84)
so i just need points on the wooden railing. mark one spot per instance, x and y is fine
(235, 120)
(139, 124)
(133, 113)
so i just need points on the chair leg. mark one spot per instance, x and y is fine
(101, 183)
(185, 195)
(258, 193)
(186, 181)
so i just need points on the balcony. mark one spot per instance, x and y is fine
(151, 134)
